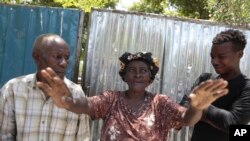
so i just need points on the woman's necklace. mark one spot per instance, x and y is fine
(136, 106)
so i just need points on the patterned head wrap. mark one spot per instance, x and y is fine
(146, 57)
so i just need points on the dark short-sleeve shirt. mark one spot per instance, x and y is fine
(234, 108)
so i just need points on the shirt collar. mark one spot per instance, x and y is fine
(33, 80)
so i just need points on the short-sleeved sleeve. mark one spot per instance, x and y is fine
(101, 104)
(170, 113)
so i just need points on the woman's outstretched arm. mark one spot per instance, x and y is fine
(59, 92)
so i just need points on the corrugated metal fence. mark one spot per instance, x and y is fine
(181, 46)
(20, 25)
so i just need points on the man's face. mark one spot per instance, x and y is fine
(56, 56)
(225, 59)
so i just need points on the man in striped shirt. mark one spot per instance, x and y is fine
(28, 114)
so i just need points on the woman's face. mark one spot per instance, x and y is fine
(137, 76)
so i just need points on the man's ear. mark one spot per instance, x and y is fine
(36, 57)
(241, 53)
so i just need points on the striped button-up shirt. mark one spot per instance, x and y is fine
(26, 115)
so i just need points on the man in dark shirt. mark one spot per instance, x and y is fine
(234, 108)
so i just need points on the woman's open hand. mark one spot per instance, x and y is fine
(55, 88)
(207, 92)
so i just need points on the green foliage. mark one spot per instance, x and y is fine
(233, 12)
(80, 4)
(149, 6)
(11, 1)
(191, 8)
(87, 4)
